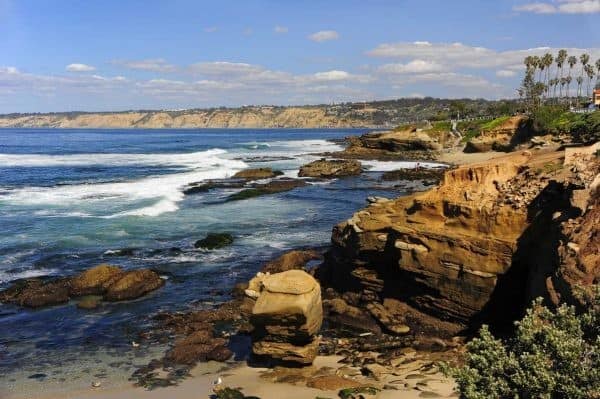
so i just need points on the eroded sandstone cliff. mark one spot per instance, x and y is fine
(476, 248)
(247, 117)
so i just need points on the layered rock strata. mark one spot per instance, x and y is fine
(479, 246)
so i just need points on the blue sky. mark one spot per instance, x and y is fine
(116, 55)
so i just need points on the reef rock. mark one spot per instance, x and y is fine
(257, 174)
(330, 168)
(35, 293)
(95, 281)
(133, 284)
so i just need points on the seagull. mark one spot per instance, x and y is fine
(218, 381)
(96, 384)
(134, 344)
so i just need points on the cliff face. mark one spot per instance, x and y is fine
(250, 117)
(480, 245)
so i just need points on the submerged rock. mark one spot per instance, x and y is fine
(215, 241)
(272, 187)
(331, 168)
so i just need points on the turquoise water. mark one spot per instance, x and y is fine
(69, 199)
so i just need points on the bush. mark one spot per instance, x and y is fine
(553, 355)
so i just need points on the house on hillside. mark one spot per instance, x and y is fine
(596, 98)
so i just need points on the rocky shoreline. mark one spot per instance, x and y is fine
(403, 284)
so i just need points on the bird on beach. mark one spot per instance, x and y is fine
(96, 384)
(134, 344)
(218, 381)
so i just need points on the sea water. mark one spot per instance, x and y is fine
(71, 199)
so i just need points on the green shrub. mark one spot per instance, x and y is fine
(553, 355)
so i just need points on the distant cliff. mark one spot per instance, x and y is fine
(373, 114)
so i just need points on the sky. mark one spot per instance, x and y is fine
(110, 55)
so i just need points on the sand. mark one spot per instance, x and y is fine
(408, 380)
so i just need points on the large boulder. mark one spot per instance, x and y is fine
(133, 284)
(331, 168)
(95, 281)
(286, 317)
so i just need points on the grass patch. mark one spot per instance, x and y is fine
(494, 123)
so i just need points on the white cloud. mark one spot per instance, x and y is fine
(458, 55)
(414, 66)
(210, 29)
(537, 8)
(280, 29)
(324, 35)
(224, 68)
(79, 68)
(332, 75)
(505, 73)
(564, 7)
(153, 65)
(9, 70)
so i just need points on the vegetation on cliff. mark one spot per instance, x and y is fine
(554, 354)
(556, 119)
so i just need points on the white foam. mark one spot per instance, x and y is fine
(6, 276)
(163, 192)
(307, 146)
(386, 166)
(190, 160)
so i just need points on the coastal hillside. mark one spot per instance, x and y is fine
(370, 114)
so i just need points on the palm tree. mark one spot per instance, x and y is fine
(579, 82)
(590, 72)
(546, 62)
(597, 70)
(572, 61)
(568, 79)
(560, 61)
(535, 64)
(584, 58)
(563, 82)
(553, 83)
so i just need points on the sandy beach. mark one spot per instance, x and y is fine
(408, 381)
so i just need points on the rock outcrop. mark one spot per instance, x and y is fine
(409, 143)
(257, 174)
(330, 168)
(467, 250)
(104, 281)
(286, 318)
(501, 138)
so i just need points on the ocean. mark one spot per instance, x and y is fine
(72, 199)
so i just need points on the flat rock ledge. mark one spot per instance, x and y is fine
(331, 168)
